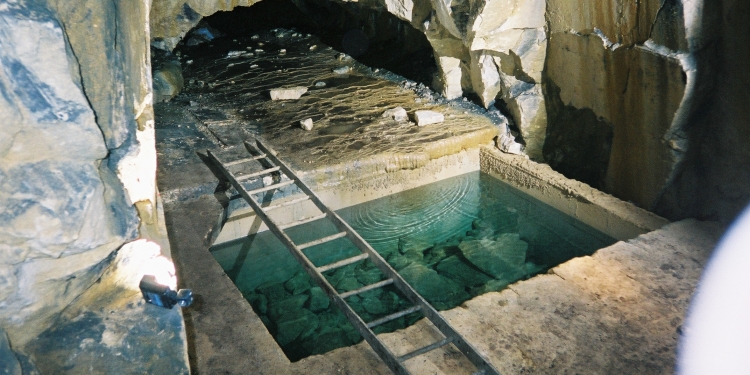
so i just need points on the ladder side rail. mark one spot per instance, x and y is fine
(429, 312)
(378, 346)
(426, 308)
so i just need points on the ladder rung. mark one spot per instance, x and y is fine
(367, 287)
(393, 278)
(303, 221)
(393, 316)
(245, 160)
(270, 187)
(424, 349)
(342, 263)
(321, 240)
(284, 204)
(256, 174)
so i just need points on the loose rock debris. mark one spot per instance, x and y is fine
(292, 93)
(307, 124)
(397, 114)
(428, 117)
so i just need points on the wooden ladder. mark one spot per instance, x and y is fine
(260, 152)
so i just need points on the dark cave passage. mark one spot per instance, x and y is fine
(376, 39)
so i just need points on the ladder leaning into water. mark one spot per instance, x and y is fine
(395, 363)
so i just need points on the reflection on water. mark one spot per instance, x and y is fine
(451, 240)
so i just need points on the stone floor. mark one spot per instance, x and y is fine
(618, 311)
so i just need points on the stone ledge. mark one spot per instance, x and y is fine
(618, 311)
(619, 219)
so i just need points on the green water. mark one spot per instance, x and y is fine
(451, 240)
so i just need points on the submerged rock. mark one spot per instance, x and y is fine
(298, 323)
(428, 117)
(501, 218)
(318, 299)
(286, 309)
(442, 292)
(439, 252)
(502, 259)
(369, 276)
(455, 269)
(300, 283)
(374, 306)
(397, 114)
(492, 286)
(481, 229)
(259, 302)
(290, 93)
(413, 250)
(406, 245)
(273, 291)
(348, 284)
(398, 261)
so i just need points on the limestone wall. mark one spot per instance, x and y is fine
(76, 150)
(713, 181)
(627, 63)
(646, 95)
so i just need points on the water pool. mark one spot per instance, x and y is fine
(451, 240)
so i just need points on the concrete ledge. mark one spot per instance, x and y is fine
(342, 192)
(616, 218)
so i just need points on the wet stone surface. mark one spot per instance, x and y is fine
(228, 84)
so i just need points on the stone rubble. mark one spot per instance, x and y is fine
(235, 53)
(428, 117)
(167, 76)
(290, 93)
(306, 124)
(396, 114)
(342, 70)
(506, 142)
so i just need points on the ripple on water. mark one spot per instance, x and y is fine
(433, 213)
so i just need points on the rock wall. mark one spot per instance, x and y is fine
(76, 150)
(627, 63)
(643, 102)
(713, 181)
